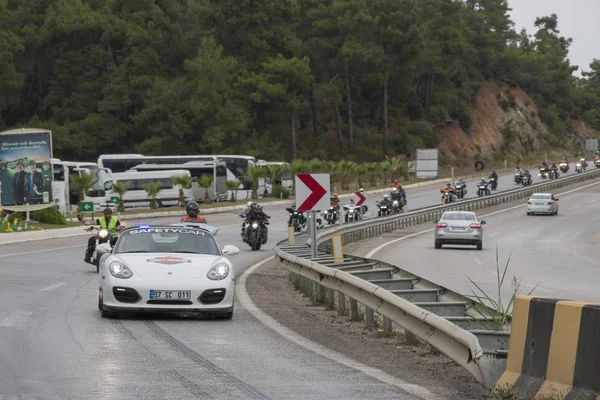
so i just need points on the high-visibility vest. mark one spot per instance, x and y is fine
(112, 225)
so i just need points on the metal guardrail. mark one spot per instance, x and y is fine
(438, 316)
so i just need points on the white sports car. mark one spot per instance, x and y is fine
(167, 269)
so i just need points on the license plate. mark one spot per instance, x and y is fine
(171, 294)
(539, 204)
(459, 229)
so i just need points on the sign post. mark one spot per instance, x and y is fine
(291, 235)
(336, 244)
(311, 195)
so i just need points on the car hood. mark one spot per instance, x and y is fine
(159, 265)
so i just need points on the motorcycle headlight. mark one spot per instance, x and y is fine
(255, 225)
(119, 270)
(396, 202)
(103, 233)
(218, 272)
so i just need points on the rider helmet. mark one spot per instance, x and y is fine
(385, 196)
(192, 209)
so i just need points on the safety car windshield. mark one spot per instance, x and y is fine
(167, 240)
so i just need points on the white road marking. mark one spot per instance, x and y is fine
(41, 251)
(572, 208)
(52, 287)
(516, 226)
(300, 340)
(17, 319)
(478, 261)
(378, 248)
(592, 201)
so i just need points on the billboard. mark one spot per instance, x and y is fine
(25, 166)
(427, 163)
(591, 144)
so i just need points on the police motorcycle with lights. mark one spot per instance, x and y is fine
(105, 232)
(167, 269)
(352, 212)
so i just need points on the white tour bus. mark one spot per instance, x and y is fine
(237, 166)
(217, 169)
(286, 177)
(66, 197)
(136, 195)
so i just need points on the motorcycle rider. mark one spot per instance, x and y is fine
(192, 210)
(398, 194)
(554, 169)
(494, 176)
(527, 176)
(386, 201)
(396, 184)
(109, 222)
(485, 184)
(257, 214)
(334, 201)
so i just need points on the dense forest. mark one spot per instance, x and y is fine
(276, 79)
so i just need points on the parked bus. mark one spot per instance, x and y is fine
(285, 180)
(238, 165)
(217, 169)
(65, 196)
(136, 195)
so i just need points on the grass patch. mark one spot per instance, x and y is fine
(506, 392)
(22, 226)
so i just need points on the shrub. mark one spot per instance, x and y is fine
(280, 191)
(50, 215)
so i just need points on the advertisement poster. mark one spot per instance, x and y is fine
(25, 170)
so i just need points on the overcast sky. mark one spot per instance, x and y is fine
(577, 19)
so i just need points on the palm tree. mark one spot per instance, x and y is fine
(82, 183)
(395, 166)
(316, 166)
(360, 171)
(373, 169)
(184, 181)
(153, 189)
(297, 166)
(275, 173)
(121, 188)
(232, 185)
(343, 172)
(253, 174)
(205, 183)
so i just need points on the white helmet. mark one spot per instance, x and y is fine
(249, 204)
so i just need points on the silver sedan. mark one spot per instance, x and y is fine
(459, 227)
(542, 203)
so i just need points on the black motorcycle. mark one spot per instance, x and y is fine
(526, 180)
(460, 190)
(518, 178)
(383, 209)
(331, 215)
(544, 173)
(297, 220)
(255, 233)
(553, 174)
(493, 183)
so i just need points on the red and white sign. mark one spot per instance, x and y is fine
(361, 198)
(312, 192)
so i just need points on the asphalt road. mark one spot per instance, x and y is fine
(55, 345)
(558, 254)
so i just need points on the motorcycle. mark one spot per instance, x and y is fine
(331, 215)
(583, 163)
(397, 206)
(564, 167)
(553, 174)
(255, 236)
(103, 245)
(543, 173)
(482, 189)
(447, 198)
(518, 178)
(597, 163)
(526, 180)
(353, 213)
(297, 220)
(493, 183)
(384, 209)
(460, 190)
(578, 167)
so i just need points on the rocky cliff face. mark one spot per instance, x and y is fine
(505, 120)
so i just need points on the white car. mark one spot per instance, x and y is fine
(542, 203)
(167, 269)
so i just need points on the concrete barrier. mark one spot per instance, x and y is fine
(554, 349)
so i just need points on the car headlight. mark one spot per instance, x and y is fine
(103, 233)
(218, 272)
(119, 270)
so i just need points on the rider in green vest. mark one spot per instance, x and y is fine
(109, 222)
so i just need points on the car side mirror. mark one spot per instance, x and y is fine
(483, 222)
(557, 199)
(230, 250)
